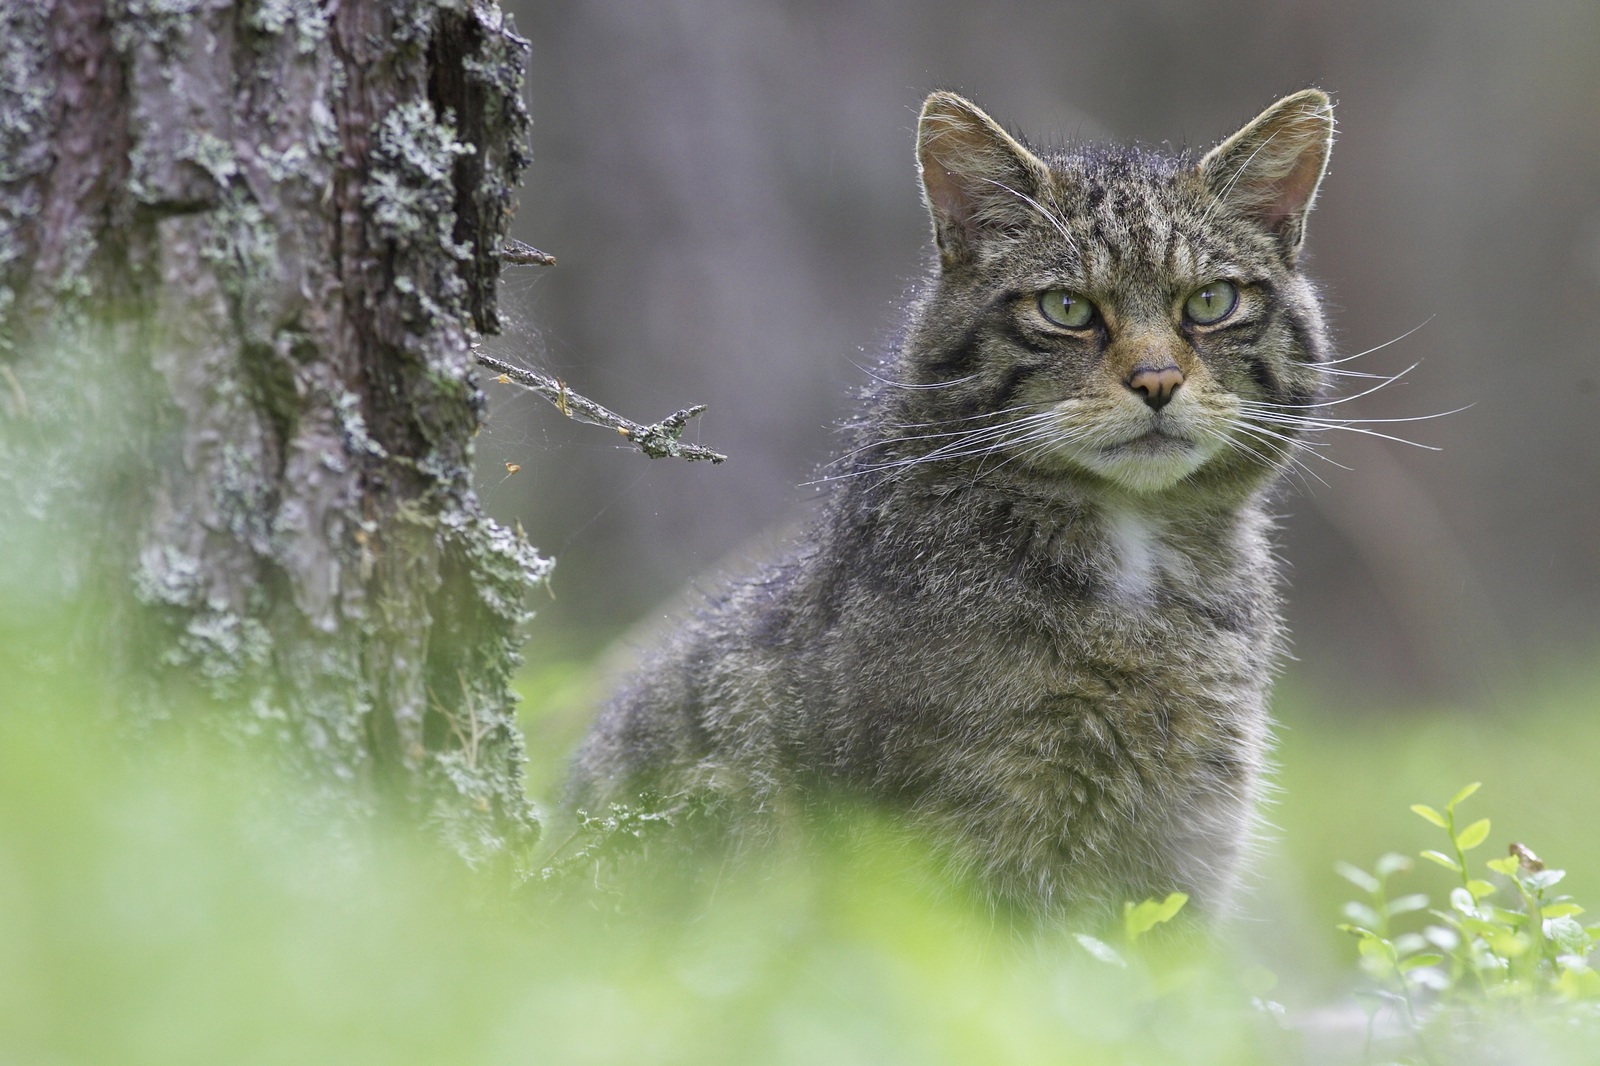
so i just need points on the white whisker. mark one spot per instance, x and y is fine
(960, 433)
(1029, 447)
(1286, 457)
(1309, 446)
(1326, 369)
(880, 379)
(966, 418)
(1060, 227)
(1380, 347)
(1382, 384)
(1351, 426)
(1222, 196)
(981, 441)
(1314, 422)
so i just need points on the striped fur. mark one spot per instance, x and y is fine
(1038, 615)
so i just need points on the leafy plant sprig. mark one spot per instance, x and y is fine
(1516, 943)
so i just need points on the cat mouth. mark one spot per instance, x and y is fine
(1147, 462)
(1154, 441)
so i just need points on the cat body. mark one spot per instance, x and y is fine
(1038, 614)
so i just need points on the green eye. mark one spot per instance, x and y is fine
(1211, 303)
(1066, 308)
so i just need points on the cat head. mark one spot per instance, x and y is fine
(1114, 316)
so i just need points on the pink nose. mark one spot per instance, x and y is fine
(1156, 386)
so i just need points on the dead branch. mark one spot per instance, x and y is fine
(516, 253)
(657, 440)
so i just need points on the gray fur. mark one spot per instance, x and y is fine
(1044, 638)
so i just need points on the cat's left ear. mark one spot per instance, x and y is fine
(1270, 170)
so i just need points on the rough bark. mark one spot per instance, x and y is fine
(245, 249)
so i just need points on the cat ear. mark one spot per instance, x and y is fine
(1270, 169)
(976, 178)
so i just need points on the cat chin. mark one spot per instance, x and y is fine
(1147, 464)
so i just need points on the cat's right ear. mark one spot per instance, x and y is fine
(976, 178)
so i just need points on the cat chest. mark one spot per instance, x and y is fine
(1159, 671)
(1147, 659)
(1141, 579)
(1084, 752)
(1133, 713)
(1135, 558)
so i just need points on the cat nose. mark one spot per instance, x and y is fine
(1155, 385)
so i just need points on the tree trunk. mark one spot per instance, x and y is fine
(245, 248)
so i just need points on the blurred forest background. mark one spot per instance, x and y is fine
(731, 192)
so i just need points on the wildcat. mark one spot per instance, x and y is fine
(1038, 615)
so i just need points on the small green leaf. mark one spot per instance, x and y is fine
(1505, 943)
(1390, 863)
(1507, 865)
(1406, 904)
(1356, 930)
(1503, 915)
(1409, 943)
(1481, 927)
(1462, 901)
(1430, 978)
(1101, 950)
(1473, 835)
(1417, 961)
(1561, 910)
(1358, 877)
(1568, 936)
(1361, 914)
(1443, 860)
(1376, 947)
(1138, 919)
(1542, 879)
(1377, 956)
(1442, 936)
(1430, 814)
(1463, 794)
(1576, 984)
(1480, 889)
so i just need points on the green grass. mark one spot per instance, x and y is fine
(162, 902)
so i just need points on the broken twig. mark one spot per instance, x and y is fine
(658, 440)
(519, 254)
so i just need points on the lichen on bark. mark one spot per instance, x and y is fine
(410, 197)
(243, 290)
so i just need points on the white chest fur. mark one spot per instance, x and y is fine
(1138, 555)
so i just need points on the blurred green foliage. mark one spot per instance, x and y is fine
(1347, 783)
(1507, 953)
(163, 900)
